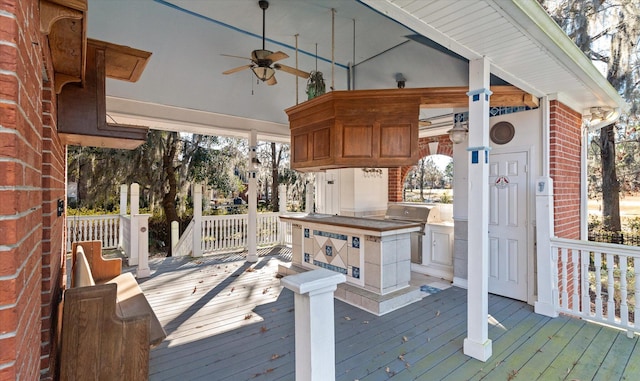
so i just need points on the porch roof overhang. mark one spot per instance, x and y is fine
(524, 45)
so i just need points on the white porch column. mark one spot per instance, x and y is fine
(282, 198)
(142, 222)
(175, 235)
(547, 287)
(308, 206)
(123, 212)
(314, 323)
(133, 232)
(477, 343)
(196, 250)
(252, 200)
(135, 199)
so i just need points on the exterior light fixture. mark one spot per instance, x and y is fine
(433, 147)
(400, 79)
(255, 163)
(599, 114)
(458, 133)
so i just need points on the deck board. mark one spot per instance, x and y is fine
(229, 320)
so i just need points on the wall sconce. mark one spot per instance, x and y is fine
(400, 79)
(255, 163)
(458, 133)
(433, 148)
(599, 114)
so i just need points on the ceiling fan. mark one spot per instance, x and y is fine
(263, 60)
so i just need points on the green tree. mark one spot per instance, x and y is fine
(607, 31)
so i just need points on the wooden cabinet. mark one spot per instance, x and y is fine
(365, 128)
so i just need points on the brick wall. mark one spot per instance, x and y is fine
(397, 175)
(31, 176)
(53, 250)
(564, 162)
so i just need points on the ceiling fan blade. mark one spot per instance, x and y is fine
(232, 56)
(271, 81)
(236, 69)
(277, 56)
(291, 70)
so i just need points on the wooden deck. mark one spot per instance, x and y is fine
(227, 320)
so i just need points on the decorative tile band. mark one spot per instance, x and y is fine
(355, 242)
(372, 238)
(355, 272)
(342, 237)
(307, 257)
(493, 111)
(330, 267)
(306, 232)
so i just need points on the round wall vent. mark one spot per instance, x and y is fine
(502, 132)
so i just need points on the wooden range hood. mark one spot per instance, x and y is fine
(374, 128)
(80, 67)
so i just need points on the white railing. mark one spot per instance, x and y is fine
(184, 247)
(229, 232)
(103, 228)
(598, 281)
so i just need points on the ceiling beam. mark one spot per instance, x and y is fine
(454, 97)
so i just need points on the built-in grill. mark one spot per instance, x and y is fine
(422, 213)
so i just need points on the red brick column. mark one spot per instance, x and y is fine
(53, 226)
(564, 163)
(397, 175)
(31, 180)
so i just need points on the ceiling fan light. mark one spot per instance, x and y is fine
(263, 73)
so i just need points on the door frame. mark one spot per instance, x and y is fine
(531, 173)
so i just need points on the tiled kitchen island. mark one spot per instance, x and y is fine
(374, 255)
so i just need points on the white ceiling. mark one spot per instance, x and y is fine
(182, 87)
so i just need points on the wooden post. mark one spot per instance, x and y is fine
(252, 200)
(309, 198)
(282, 198)
(547, 302)
(133, 232)
(142, 222)
(477, 343)
(196, 251)
(123, 212)
(175, 235)
(314, 323)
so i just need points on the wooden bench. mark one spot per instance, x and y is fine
(108, 325)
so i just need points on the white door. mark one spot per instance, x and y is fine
(508, 225)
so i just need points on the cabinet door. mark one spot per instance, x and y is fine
(441, 248)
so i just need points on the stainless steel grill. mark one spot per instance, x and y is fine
(422, 213)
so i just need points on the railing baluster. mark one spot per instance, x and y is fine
(598, 265)
(624, 308)
(584, 276)
(565, 297)
(636, 296)
(575, 271)
(611, 303)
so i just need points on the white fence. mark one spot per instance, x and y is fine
(184, 247)
(219, 233)
(229, 232)
(598, 281)
(105, 228)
